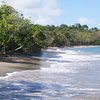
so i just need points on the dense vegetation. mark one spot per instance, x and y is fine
(19, 34)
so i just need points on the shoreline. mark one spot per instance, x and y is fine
(84, 46)
(54, 48)
(16, 64)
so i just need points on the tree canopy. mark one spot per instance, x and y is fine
(19, 34)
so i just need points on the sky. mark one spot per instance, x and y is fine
(57, 12)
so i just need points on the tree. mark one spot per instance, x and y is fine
(13, 30)
(78, 26)
(63, 26)
(84, 27)
(18, 33)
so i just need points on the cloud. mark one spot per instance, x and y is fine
(83, 20)
(42, 20)
(99, 25)
(89, 22)
(40, 11)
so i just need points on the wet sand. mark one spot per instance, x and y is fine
(87, 98)
(14, 64)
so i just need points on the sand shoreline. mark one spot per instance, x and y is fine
(86, 97)
(17, 63)
(79, 46)
(84, 46)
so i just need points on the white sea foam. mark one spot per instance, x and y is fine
(85, 89)
(66, 62)
(65, 77)
(67, 59)
(58, 68)
(75, 56)
(62, 51)
(9, 75)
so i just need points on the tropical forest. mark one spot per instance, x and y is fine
(19, 34)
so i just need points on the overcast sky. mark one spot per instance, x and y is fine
(59, 11)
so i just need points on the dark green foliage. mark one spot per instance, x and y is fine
(15, 31)
(19, 34)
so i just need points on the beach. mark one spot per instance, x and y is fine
(54, 74)
(17, 63)
(86, 98)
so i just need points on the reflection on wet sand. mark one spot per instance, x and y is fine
(59, 75)
(86, 98)
(18, 63)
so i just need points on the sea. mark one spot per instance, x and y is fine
(70, 73)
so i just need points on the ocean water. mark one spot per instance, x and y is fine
(65, 74)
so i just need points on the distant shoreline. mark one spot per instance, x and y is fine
(73, 46)
(85, 46)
